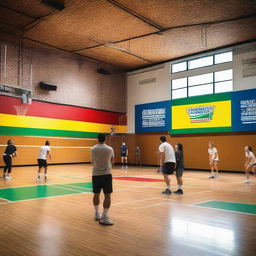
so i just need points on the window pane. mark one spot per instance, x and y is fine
(179, 83)
(180, 93)
(201, 62)
(226, 86)
(223, 75)
(201, 79)
(223, 57)
(200, 90)
(179, 67)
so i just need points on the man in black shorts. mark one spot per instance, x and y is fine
(102, 157)
(167, 162)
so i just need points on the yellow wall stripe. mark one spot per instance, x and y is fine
(57, 124)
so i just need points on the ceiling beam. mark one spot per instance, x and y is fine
(19, 12)
(170, 28)
(134, 14)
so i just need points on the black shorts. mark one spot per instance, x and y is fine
(102, 182)
(168, 168)
(123, 154)
(42, 163)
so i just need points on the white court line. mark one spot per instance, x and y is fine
(41, 184)
(38, 198)
(38, 146)
(135, 201)
(152, 205)
(71, 189)
(211, 208)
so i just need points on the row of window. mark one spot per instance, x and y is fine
(202, 62)
(209, 83)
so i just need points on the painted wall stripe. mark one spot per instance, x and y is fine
(50, 110)
(20, 131)
(56, 124)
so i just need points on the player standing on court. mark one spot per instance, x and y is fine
(9, 153)
(167, 162)
(214, 159)
(179, 167)
(42, 163)
(102, 157)
(250, 163)
(124, 153)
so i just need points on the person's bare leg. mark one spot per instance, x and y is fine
(216, 168)
(106, 204)
(179, 181)
(96, 203)
(39, 173)
(247, 173)
(45, 173)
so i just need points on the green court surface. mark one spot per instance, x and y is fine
(229, 206)
(42, 191)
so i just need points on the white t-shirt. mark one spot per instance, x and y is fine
(251, 156)
(101, 155)
(168, 151)
(43, 152)
(212, 152)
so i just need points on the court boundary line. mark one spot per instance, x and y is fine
(221, 210)
(39, 198)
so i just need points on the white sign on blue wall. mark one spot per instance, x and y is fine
(244, 110)
(152, 117)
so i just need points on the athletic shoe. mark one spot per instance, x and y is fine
(216, 175)
(45, 178)
(211, 177)
(105, 220)
(97, 216)
(39, 179)
(179, 191)
(8, 177)
(167, 191)
(246, 181)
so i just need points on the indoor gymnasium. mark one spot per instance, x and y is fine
(127, 127)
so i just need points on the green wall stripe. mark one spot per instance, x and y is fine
(230, 206)
(20, 131)
(202, 99)
(201, 130)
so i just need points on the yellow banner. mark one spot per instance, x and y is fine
(202, 115)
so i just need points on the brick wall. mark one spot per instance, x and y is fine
(76, 77)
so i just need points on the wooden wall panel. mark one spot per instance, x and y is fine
(230, 148)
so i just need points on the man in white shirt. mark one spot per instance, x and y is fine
(42, 163)
(102, 157)
(167, 162)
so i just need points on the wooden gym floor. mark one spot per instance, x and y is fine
(213, 217)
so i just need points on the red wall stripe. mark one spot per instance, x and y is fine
(49, 110)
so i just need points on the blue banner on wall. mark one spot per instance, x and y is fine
(244, 110)
(153, 117)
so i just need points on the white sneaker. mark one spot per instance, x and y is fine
(246, 181)
(8, 177)
(211, 177)
(105, 220)
(97, 216)
(216, 175)
(39, 179)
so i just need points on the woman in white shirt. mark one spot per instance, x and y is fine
(250, 163)
(214, 159)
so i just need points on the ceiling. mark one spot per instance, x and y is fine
(131, 33)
